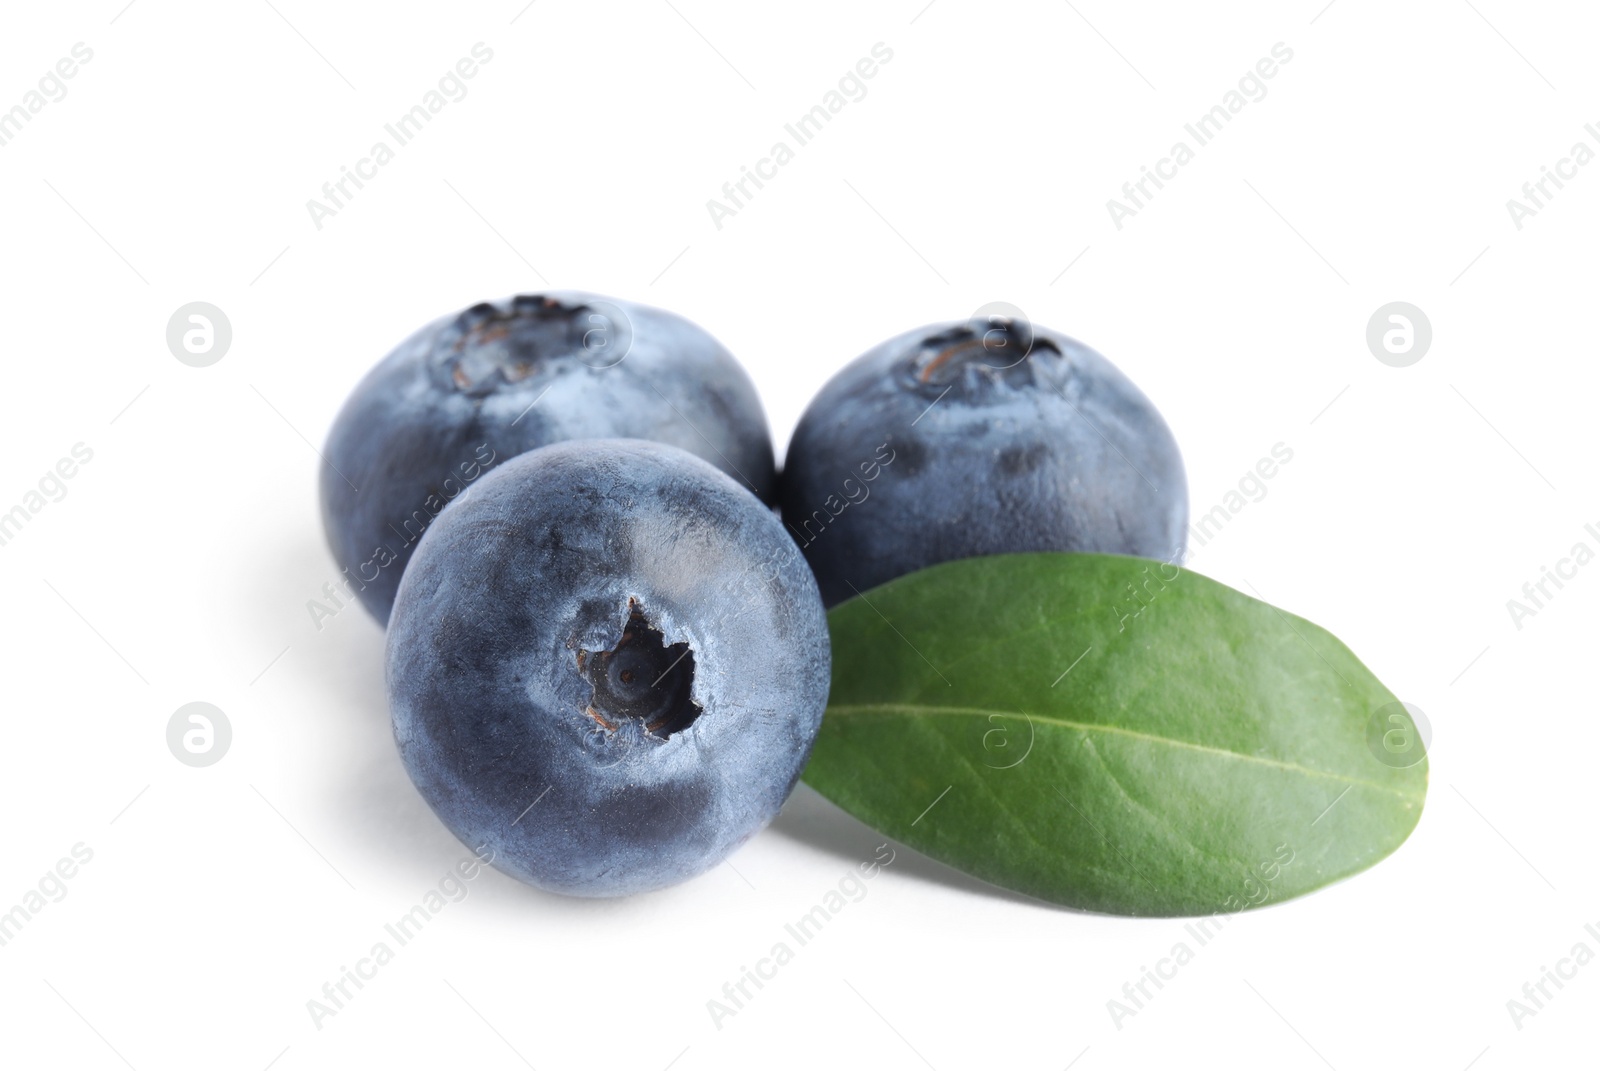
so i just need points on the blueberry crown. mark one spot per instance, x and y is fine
(491, 347)
(979, 357)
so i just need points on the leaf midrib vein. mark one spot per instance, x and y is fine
(907, 710)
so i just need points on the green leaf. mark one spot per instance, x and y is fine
(1113, 733)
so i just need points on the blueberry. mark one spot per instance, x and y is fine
(986, 437)
(471, 390)
(607, 664)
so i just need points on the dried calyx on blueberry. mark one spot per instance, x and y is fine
(488, 347)
(642, 681)
(971, 357)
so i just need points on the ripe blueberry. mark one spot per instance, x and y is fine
(976, 438)
(607, 663)
(471, 390)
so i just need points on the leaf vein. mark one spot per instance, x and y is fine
(907, 710)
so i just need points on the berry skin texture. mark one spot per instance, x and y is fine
(607, 664)
(966, 439)
(476, 388)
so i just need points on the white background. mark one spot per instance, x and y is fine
(178, 567)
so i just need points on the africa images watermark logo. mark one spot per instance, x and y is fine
(850, 889)
(51, 89)
(51, 487)
(410, 531)
(1251, 88)
(1537, 594)
(1537, 194)
(1255, 889)
(50, 889)
(851, 89)
(451, 888)
(451, 88)
(1536, 994)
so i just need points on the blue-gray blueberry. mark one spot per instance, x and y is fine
(475, 388)
(607, 664)
(985, 437)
